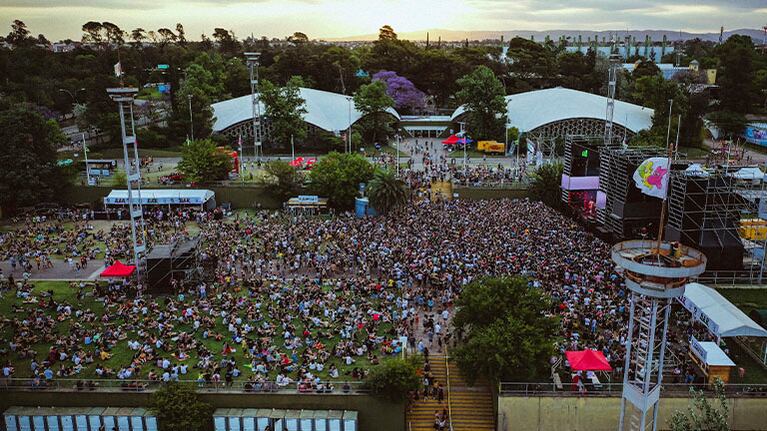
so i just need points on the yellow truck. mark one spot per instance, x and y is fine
(491, 147)
(753, 229)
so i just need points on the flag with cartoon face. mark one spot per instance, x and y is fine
(651, 177)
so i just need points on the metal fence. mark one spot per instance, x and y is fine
(114, 385)
(615, 389)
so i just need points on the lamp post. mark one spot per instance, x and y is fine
(349, 131)
(463, 136)
(85, 146)
(191, 119)
(398, 140)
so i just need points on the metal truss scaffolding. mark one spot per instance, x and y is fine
(616, 169)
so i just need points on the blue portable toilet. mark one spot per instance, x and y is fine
(362, 208)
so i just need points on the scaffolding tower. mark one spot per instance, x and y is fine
(124, 97)
(616, 171)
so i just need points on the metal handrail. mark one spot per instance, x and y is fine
(449, 401)
(143, 385)
(616, 389)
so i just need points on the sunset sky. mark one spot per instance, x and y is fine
(59, 19)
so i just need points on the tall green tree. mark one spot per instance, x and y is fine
(736, 78)
(179, 408)
(386, 191)
(372, 101)
(202, 161)
(285, 109)
(505, 330)
(28, 171)
(545, 184)
(338, 176)
(481, 92)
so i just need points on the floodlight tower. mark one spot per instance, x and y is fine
(612, 83)
(656, 273)
(124, 97)
(252, 59)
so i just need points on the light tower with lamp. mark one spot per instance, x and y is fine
(252, 59)
(124, 97)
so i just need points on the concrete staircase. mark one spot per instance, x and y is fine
(471, 407)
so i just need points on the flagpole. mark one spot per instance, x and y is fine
(669, 155)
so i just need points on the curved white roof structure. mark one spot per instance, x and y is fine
(328, 111)
(533, 109)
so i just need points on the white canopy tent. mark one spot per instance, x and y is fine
(203, 198)
(754, 174)
(721, 317)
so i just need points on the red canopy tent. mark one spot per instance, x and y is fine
(451, 140)
(119, 269)
(587, 360)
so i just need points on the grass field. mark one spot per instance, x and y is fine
(121, 355)
(746, 299)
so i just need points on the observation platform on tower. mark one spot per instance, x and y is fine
(658, 270)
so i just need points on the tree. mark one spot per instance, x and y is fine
(545, 184)
(113, 33)
(645, 68)
(338, 177)
(166, 36)
(138, 35)
(178, 408)
(730, 123)
(201, 161)
(737, 73)
(387, 33)
(298, 37)
(93, 32)
(285, 109)
(701, 415)
(28, 171)
(400, 89)
(181, 33)
(386, 191)
(19, 35)
(394, 378)
(372, 101)
(506, 331)
(287, 182)
(482, 95)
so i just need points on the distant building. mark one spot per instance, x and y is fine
(669, 70)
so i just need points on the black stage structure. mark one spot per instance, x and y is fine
(176, 261)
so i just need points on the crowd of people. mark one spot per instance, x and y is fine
(302, 301)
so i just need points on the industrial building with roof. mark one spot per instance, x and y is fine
(545, 113)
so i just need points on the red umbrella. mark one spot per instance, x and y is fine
(587, 360)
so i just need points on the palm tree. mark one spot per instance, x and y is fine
(386, 191)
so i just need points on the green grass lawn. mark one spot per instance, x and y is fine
(122, 355)
(370, 150)
(746, 299)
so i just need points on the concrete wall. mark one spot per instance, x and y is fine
(374, 414)
(597, 413)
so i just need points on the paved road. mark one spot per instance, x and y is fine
(60, 271)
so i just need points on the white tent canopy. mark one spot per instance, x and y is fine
(721, 317)
(161, 197)
(748, 174)
(533, 109)
(711, 354)
(331, 112)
